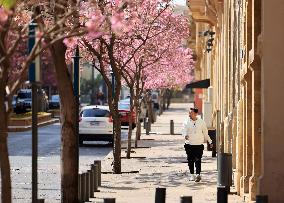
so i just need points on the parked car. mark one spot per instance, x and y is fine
(24, 101)
(95, 124)
(124, 111)
(143, 105)
(54, 103)
(14, 102)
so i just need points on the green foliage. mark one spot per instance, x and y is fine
(87, 85)
(8, 4)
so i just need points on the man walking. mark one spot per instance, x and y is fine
(195, 133)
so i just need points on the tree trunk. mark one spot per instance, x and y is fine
(6, 193)
(138, 112)
(163, 100)
(117, 143)
(130, 123)
(150, 110)
(113, 105)
(138, 132)
(169, 97)
(69, 139)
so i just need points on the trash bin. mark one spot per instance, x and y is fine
(225, 171)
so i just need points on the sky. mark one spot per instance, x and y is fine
(180, 2)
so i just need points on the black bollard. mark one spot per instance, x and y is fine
(261, 199)
(83, 187)
(95, 171)
(185, 199)
(79, 187)
(99, 164)
(88, 185)
(160, 196)
(40, 201)
(91, 173)
(172, 127)
(222, 194)
(109, 200)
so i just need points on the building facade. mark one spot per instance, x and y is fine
(239, 46)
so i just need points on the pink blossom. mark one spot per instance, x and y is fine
(117, 21)
(92, 26)
(3, 16)
(70, 42)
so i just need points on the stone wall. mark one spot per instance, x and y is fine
(246, 68)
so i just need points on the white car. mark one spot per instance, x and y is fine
(95, 124)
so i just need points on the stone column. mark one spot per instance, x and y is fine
(230, 130)
(226, 136)
(248, 131)
(234, 137)
(256, 118)
(256, 101)
(239, 151)
(221, 138)
(243, 95)
(272, 97)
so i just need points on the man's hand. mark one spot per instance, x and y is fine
(186, 137)
(211, 146)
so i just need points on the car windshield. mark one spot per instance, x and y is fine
(95, 113)
(24, 95)
(124, 106)
(55, 97)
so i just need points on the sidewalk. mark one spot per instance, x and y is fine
(160, 163)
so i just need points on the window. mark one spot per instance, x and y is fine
(24, 95)
(124, 106)
(95, 113)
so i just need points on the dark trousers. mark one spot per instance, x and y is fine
(194, 155)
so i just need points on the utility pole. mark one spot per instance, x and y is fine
(34, 77)
(76, 89)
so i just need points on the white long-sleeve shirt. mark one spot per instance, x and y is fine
(196, 130)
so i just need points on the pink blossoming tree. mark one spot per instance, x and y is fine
(15, 17)
(117, 31)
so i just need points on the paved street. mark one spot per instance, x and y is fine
(48, 162)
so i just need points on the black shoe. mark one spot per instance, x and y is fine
(198, 178)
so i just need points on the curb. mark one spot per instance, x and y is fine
(27, 128)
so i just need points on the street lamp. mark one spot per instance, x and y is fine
(76, 92)
(34, 73)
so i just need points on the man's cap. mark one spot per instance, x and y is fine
(195, 110)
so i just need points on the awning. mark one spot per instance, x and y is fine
(199, 84)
